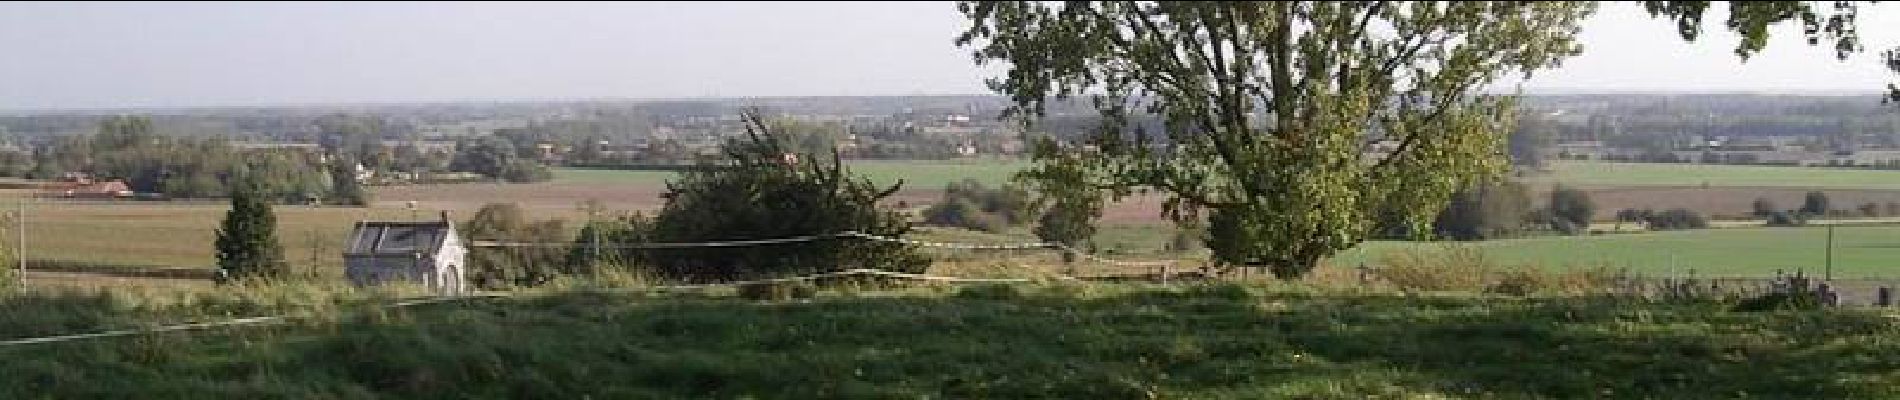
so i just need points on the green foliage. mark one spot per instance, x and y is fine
(1798, 299)
(1676, 218)
(763, 190)
(526, 171)
(490, 156)
(1268, 107)
(1571, 206)
(345, 188)
(499, 268)
(1070, 204)
(125, 147)
(247, 245)
(1815, 204)
(1763, 207)
(594, 248)
(1784, 218)
(1751, 20)
(1529, 140)
(969, 204)
(1487, 211)
(18, 164)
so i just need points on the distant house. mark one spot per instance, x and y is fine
(312, 148)
(82, 186)
(428, 253)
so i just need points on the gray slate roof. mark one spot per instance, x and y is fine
(387, 238)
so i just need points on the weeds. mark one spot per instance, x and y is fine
(983, 341)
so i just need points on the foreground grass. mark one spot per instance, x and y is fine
(996, 342)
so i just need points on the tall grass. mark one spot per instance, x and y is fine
(1468, 269)
(993, 341)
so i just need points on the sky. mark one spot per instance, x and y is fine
(115, 55)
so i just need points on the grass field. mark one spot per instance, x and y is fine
(1649, 174)
(1066, 341)
(1859, 251)
(929, 175)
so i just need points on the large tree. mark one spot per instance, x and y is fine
(1294, 122)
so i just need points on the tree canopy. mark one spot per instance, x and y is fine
(1303, 118)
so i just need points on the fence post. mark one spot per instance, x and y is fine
(1884, 296)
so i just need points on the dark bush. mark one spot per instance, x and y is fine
(763, 190)
(1487, 211)
(969, 204)
(1784, 218)
(1763, 207)
(1815, 203)
(1677, 218)
(1792, 300)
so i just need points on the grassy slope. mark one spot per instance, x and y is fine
(1645, 174)
(1860, 251)
(1062, 342)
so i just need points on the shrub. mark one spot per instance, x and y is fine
(525, 171)
(1677, 218)
(1791, 300)
(1763, 207)
(969, 204)
(247, 245)
(762, 190)
(1487, 211)
(1571, 206)
(497, 268)
(1784, 218)
(1815, 203)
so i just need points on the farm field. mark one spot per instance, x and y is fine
(1651, 174)
(930, 175)
(1062, 341)
(934, 174)
(180, 235)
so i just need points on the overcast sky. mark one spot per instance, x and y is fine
(102, 55)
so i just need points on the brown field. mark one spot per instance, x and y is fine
(563, 200)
